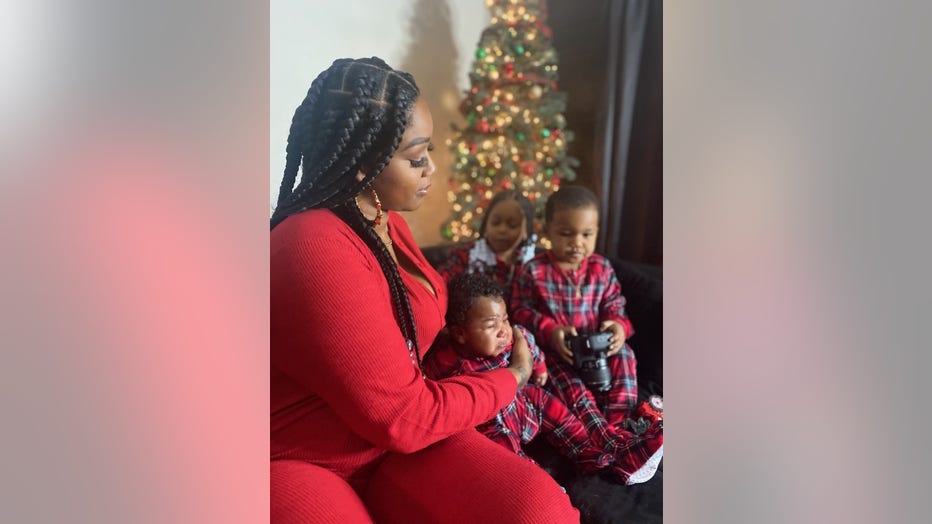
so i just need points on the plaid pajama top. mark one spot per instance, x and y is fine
(544, 296)
(464, 259)
(519, 417)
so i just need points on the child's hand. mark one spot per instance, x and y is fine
(618, 336)
(559, 343)
(540, 379)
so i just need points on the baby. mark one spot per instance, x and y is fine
(479, 338)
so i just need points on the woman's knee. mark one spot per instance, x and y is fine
(470, 478)
(300, 492)
(541, 498)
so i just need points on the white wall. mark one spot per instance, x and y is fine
(435, 40)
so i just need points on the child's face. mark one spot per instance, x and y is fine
(486, 332)
(505, 228)
(572, 234)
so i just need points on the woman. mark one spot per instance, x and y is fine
(357, 433)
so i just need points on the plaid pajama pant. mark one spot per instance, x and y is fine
(597, 409)
(536, 411)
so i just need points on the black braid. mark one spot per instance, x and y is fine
(353, 142)
(356, 95)
(344, 127)
(401, 305)
(352, 120)
(298, 128)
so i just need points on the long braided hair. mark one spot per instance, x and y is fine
(352, 120)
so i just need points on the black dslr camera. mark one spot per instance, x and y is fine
(589, 358)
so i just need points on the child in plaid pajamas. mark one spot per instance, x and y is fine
(570, 290)
(506, 240)
(479, 338)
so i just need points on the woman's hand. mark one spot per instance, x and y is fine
(618, 336)
(559, 342)
(521, 359)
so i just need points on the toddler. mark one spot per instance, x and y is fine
(506, 240)
(570, 290)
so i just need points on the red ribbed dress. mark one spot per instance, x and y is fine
(346, 396)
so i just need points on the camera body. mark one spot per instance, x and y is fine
(589, 358)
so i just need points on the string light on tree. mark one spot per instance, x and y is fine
(515, 135)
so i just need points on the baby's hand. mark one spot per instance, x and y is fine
(559, 343)
(618, 336)
(540, 379)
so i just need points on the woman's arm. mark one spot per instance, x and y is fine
(522, 361)
(334, 331)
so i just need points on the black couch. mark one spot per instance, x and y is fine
(601, 501)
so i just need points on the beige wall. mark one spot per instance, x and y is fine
(432, 39)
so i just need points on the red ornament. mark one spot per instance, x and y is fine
(555, 133)
(528, 168)
(509, 67)
(482, 126)
(473, 148)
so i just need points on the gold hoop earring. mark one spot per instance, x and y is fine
(378, 208)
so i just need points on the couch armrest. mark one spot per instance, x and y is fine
(642, 286)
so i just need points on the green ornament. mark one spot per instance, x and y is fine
(491, 172)
(519, 49)
(490, 67)
(549, 171)
(447, 233)
(471, 117)
(520, 136)
(480, 53)
(545, 132)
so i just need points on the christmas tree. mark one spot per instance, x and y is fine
(515, 135)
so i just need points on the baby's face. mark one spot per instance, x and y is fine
(486, 332)
(572, 234)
